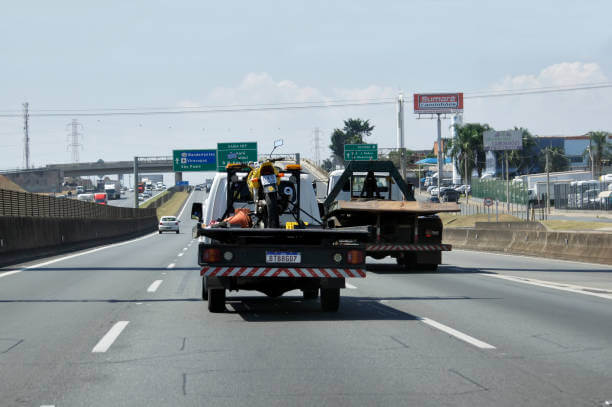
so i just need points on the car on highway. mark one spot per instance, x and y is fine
(449, 195)
(169, 224)
(198, 188)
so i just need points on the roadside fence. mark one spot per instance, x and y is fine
(14, 203)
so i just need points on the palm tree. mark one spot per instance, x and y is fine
(599, 148)
(468, 150)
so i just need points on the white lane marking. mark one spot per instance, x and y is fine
(154, 286)
(46, 263)
(459, 335)
(184, 249)
(171, 266)
(48, 405)
(185, 205)
(351, 286)
(110, 337)
(578, 289)
(180, 254)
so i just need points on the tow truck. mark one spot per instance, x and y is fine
(239, 251)
(405, 229)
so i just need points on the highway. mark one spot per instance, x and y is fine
(124, 325)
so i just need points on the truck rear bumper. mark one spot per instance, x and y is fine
(408, 247)
(296, 272)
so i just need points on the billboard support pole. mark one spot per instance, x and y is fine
(439, 153)
(400, 134)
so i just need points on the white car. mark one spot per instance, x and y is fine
(169, 224)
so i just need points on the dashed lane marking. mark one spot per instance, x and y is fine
(110, 337)
(459, 335)
(184, 249)
(180, 254)
(171, 266)
(154, 286)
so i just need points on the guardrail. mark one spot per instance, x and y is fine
(14, 203)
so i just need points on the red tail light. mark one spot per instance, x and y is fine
(176, 223)
(354, 257)
(161, 223)
(211, 256)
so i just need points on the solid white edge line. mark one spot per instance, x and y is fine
(351, 286)
(577, 289)
(171, 266)
(154, 286)
(110, 337)
(46, 263)
(459, 335)
(583, 263)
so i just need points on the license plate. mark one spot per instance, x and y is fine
(283, 257)
(268, 180)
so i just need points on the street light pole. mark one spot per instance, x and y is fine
(136, 182)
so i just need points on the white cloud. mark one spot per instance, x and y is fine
(563, 113)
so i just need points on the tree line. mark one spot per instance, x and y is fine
(467, 149)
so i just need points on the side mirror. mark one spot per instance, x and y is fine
(278, 143)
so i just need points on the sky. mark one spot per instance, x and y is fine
(72, 56)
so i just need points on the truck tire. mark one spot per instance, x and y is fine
(407, 262)
(160, 232)
(177, 232)
(330, 299)
(204, 289)
(216, 299)
(310, 293)
(272, 210)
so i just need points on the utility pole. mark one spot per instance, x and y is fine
(317, 156)
(507, 183)
(591, 155)
(26, 132)
(400, 134)
(547, 181)
(136, 182)
(439, 154)
(73, 139)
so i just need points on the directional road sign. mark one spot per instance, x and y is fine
(228, 153)
(194, 160)
(360, 152)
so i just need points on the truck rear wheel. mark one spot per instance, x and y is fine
(204, 289)
(310, 293)
(330, 299)
(216, 299)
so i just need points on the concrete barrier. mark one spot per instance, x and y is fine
(26, 237)
(587, 247)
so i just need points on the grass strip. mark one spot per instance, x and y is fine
(557, 224)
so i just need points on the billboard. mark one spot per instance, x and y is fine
(438, 103)
(502, 140)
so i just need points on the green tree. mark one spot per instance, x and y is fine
(327, 165)
(353, 132)
(599, 150)
(394, 157)
(557, 160)
(468, 150)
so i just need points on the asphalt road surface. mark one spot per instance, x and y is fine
(124, 325)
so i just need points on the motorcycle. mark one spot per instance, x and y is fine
(263, 183)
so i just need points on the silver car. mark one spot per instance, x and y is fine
(169, 224)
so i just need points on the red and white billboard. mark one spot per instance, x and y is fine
(434, 103)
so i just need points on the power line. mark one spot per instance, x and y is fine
(288, 105)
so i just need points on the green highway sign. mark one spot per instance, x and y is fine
(228, 153)
(194, 160)
(360, 152)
